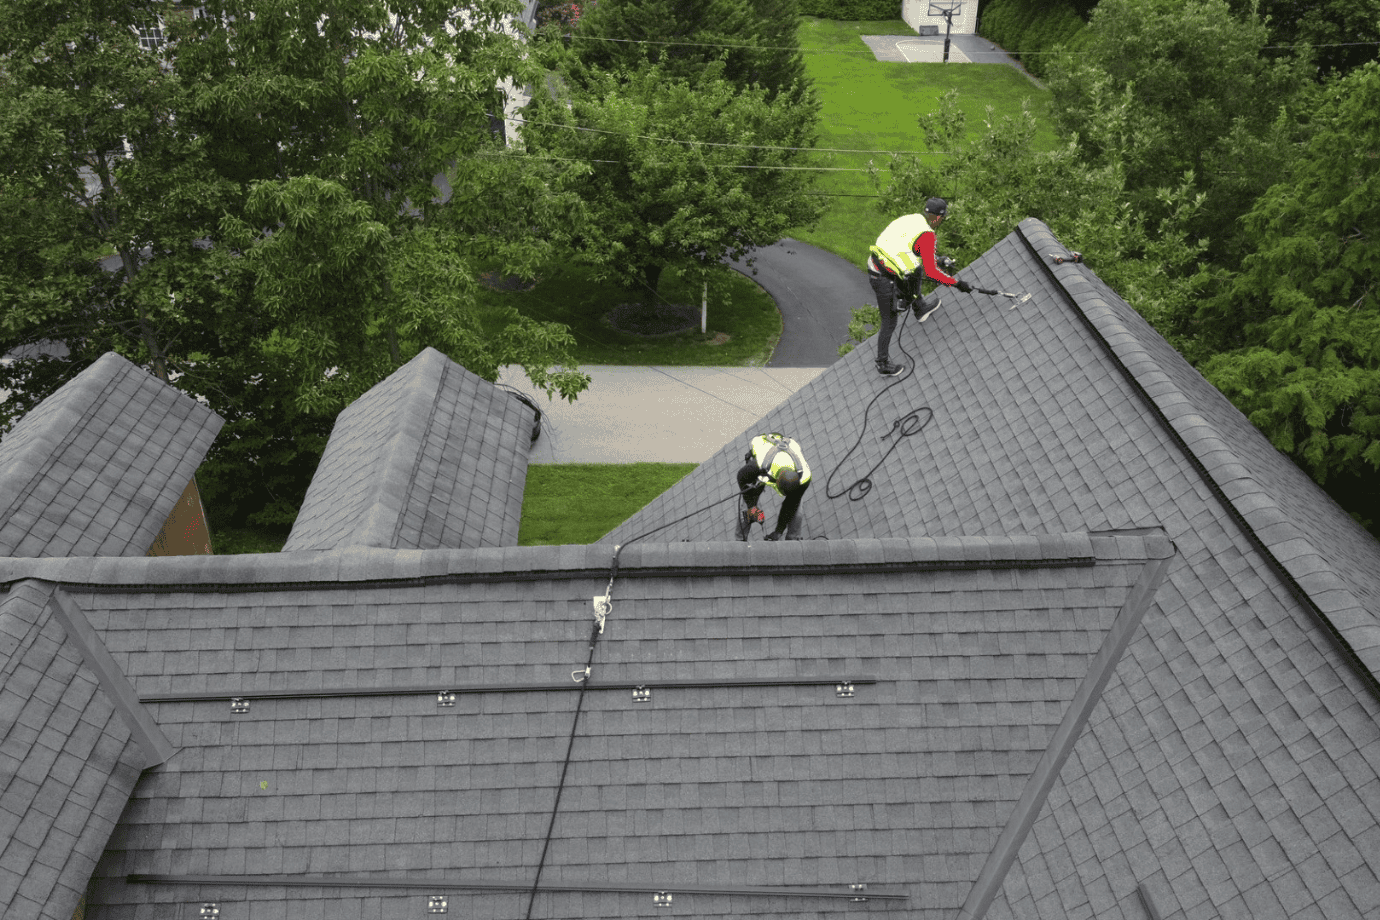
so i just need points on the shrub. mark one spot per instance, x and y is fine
(852, 10)
(1031, 28)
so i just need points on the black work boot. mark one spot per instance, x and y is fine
(924, 308)
(887, 369)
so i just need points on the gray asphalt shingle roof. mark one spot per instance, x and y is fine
(973, 638)
(68, 761)
(96, 468)
(434, 456)
(1122, 654)
(1236, 749)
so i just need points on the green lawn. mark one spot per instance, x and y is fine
(564, 503)
(875, 106)
(738, 309)
(580, 502)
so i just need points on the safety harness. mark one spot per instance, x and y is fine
(781, 445)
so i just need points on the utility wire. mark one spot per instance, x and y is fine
(705, 392)
(932, 39)
(530, 156)
(677, 140)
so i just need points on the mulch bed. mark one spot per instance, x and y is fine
(652, 319)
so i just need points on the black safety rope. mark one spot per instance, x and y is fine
(908, 425)
(565, 767)
(594, 635)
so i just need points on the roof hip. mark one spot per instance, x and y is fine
(1353, 631)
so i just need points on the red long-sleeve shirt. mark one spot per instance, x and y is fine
(924, 248)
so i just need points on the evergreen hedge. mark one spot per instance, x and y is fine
(1033, 26)
(852, 10)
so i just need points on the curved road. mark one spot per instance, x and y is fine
(816, 292)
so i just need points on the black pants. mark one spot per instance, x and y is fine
(887, 289)
(790, 504)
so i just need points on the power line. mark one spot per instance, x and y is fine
(530, 156)
(676, 140)
(641, 41)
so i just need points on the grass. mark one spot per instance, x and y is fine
(743, 327)
(875, 106)
(565, 503)
(227, 541)
(580, 502)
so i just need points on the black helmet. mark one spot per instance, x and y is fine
(788, 480)
(937, 206)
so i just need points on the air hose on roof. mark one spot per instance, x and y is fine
(908, 425)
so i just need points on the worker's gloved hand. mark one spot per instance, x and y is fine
(946, 264)
(774, 536)
(964, 286)
(756, 515)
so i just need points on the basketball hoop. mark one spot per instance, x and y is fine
(947, 9)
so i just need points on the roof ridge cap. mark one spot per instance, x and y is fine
(381, 520)
(1258, 512)
(356, 564)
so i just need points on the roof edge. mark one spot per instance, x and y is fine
(530, 563)
(1306, 571)
(382, 519)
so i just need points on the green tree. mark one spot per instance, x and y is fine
(1165, 87)
(267, 183)
(1299, 326)
(93, 161)
(679, 173)
(1344, 33)
(755, 39)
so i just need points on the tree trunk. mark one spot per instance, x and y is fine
(651, 276)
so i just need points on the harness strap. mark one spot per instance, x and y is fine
(780, 444)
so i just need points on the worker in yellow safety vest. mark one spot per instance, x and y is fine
(776, 461)
(903, 256)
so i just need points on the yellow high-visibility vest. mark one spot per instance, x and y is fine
(896, 246)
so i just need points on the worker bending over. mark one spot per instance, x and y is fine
(894, 269)
(776, 461)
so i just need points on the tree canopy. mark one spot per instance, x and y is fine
(266, 181)
(755, 39)
(1298, 328)
(680, 172)
(1166, 87)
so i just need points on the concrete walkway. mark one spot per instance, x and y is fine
(655, 414)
